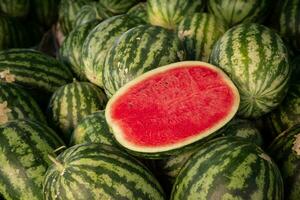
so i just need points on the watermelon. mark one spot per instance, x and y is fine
(16, 103)
(91, 12)
(256, 60)
(168, 13)
(93, 128)
(229, 168)
(71, 103)
(98, 42)
(241, 128)
(171, 107)
(33, 70)
(289, 23)
(67, 12)
(15, 8)
(70, 50)
(285, 150)
(24, 149)
(139, 11)
(199, 32)
(137, 51)
(93, 171)
(118, 6)
(45, 11)
(239, 11)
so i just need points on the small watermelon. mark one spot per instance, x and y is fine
(229, 168)
(118, 6)
(46, 11)
(285, 150)
(94, 172)
(139, 11)
(170, 107)
(15, 8)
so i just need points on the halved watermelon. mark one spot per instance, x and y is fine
(171, 107)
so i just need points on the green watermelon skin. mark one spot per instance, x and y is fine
(71, 48)
(94, 129)
(239, 11)
(99, 41)
(19, 103)
(139, 11)
(99, 172)
(15, 8)
(71, 103)
(199, 32)
(67, 12)
(168, 13)
(118, 6)
(33, 70)
(289, 23)
(256, 60)
(285, 151)
(24, 149)
(91, 12)
(137, 51)
(229, 168)
(45, 11)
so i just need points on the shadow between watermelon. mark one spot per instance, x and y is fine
(171, 108)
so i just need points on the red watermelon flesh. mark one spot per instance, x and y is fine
(172, 106)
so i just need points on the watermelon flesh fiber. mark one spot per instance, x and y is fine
(172, 107)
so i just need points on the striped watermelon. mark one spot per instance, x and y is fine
(199, 32)
(229, 168)
(91, 12)
(16, 103)
(45, 11)
(239, 11)
(24, 150)
(71, 103)
(170, 108)
(71, 48)
(137, 51)
(168, 13)
(33, 70)
(15, 8)
(139, 11)
(256, 59)
(98, 42)
(289, 23)
(285, 150)
(93, 128)
(68, 10)
(118, 6)
(93, 171)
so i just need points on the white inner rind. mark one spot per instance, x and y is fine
(119, 134)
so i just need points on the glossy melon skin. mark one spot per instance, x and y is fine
(229, 168)
(164, 111)
(257, 61)
(99, 172)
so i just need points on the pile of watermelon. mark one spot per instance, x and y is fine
(149, 100)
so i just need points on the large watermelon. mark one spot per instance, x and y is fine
(71, 103)
(93, 128)
(16, 103)
(168, 13)
(71, 48)
(256, 59)
(199, 32)
(93, 172)
(137, 51)
(170, 107)
(98, 42)
(233, 12)
(118, 6)
(15, 8)
(24, 150)
(285, 150)
(229, 168)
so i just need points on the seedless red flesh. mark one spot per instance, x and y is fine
(172, 106)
